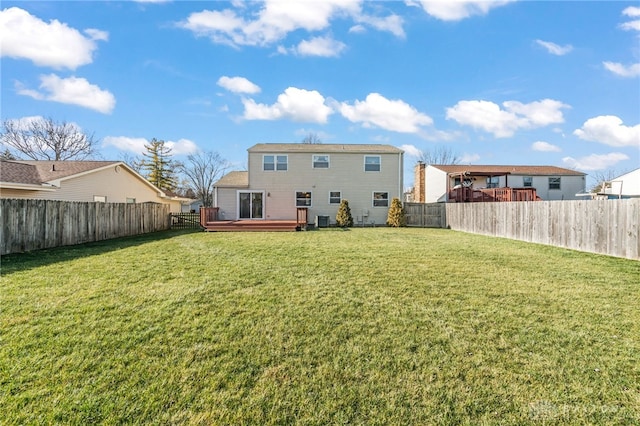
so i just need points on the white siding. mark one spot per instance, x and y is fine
(345, 174)
(435, 185)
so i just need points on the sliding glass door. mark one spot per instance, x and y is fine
(251, 205)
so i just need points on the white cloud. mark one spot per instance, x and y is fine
(136, 145)
(595, 161)
(72, 90)
(469, 158)
(238, 85)
(275, 19)
(631, 12)
(609, 130)
(294, 104)
(123, 143)
(52, 44)
(320, 46)
(545, 147)
(411, 150)
(378, 111)
(392, 23)
(621, 70)
(182, 147)
(555, 49)
(455, 10)
(503, 123)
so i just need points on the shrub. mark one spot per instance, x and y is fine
(396, 216)
(344, 218)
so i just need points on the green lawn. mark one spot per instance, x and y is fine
(366, 326)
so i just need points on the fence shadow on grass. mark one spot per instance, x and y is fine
(18, 262)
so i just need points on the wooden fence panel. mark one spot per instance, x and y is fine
(37, 224)
(599, 226)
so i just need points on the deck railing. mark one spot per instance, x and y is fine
(302, 216)
(208, 214)
(488, 195)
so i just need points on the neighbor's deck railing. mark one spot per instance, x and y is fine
(487, 195)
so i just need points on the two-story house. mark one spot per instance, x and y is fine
(284, 177)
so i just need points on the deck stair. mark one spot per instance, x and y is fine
(252, 225)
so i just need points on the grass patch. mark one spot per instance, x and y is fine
(370, 326)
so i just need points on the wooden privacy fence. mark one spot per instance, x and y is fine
(425, 215)
(608, 227)
(38, 224)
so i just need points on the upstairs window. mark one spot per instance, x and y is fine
(320, 161)
(554, 183)
(99, 198)
(131, 200)
(275, 162)
(527, 181)
(371, 163)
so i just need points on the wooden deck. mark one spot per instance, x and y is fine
(252, 225)
(210, 222)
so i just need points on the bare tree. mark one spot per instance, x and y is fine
(602, 176)
(202, 170)
(312, 138)
(441, 155)
(45, 139)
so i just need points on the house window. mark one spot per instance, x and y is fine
(371, 163)
(380, 199)
(554, 183)
(527, 181)
(303, 199)
(335, 197)
(131, 200)
(274, 162)
(100, 198)
(320, 161)
(493, 181)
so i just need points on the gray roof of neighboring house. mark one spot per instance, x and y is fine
(234, 179)
(519, 170)
(37, 172)
(323, 148)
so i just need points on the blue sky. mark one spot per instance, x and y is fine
(497, 82)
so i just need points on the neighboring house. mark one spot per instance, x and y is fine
(90, 181)
(442, 183)
(284, 177)
(624, 186)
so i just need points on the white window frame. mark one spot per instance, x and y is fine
(99, 198)
(379, 163)
(130, 200)
(527, 181)
(339, 197)
(314, 161)
(276, 164)
(555, 179)
(374, 199)
(304, 198)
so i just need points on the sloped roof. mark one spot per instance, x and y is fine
(504, 170)
(38, 172)
(323, 148)
(13, 172)
(234, 179)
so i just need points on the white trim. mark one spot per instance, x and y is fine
(373, 193)
(313, 161)
(338, 203)
(379, 157)
(295, 200)
(251, 191)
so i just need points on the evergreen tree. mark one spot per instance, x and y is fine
(396, 216)
(157, 165)
(344, 218)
